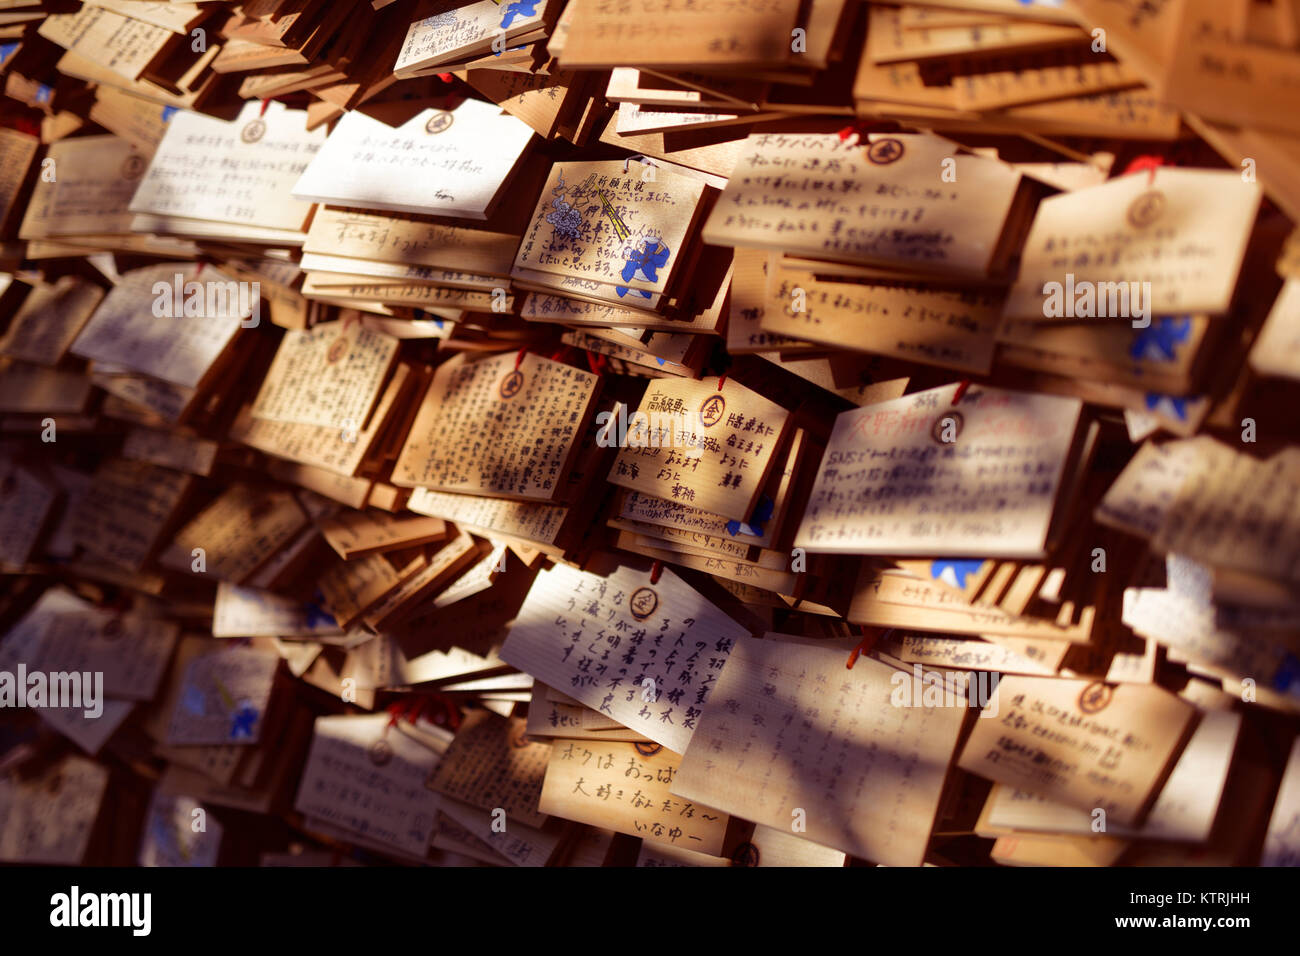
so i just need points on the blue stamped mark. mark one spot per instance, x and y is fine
(955, 573)
(1159, 341)
(168, 834)
(762, 514)
(243, 720)
(518, 8)
(647, 260)
(194, 701)
(317, 616)
(1287, 678)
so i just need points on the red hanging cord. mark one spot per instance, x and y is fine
(1148, 162)
(847, 131)
(864, 645)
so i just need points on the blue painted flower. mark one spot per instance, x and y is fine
(1172, 405)
(317, 616)
(193, 701)
(1287, 678)
(762, 512)
(954, 572)
(1159, 341)
(241, 723)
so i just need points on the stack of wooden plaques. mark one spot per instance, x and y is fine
(545, 433)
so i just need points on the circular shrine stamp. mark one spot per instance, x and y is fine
(1146, 208)
(133, 166)
(512, 384)
(712, 410)
(439, 122)
(885, 151)
(745, 855)
(1095, 697)
(380, 752)
(643, 603)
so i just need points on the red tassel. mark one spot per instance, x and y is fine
(961, 392)
(519, 359)
(266, 101)
(655, 571)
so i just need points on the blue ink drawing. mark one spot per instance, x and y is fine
(1177, 407)
(566, 220)
(518, 8)
(762, 512)
(1287, 678)
(168, 112)
(193, 701)
(648, 260)
(954, 572)
(317, 617)
(1159, 341)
